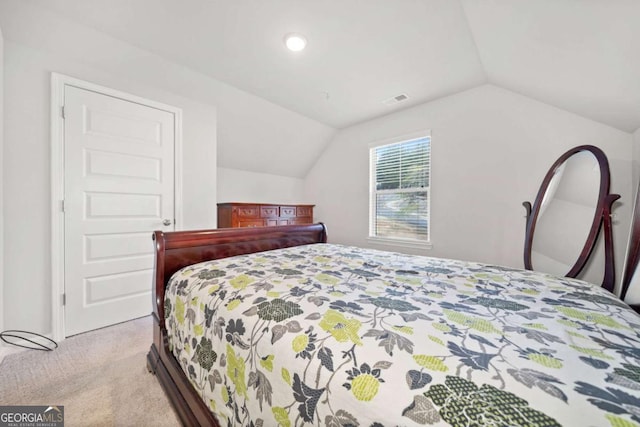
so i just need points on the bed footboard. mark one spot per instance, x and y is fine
(175, 250)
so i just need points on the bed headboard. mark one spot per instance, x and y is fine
(178, 249)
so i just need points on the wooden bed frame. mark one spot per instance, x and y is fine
(175, 250)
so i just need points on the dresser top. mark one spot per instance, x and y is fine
(262, 204)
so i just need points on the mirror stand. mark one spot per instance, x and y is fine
(609, 280)
(572, 206)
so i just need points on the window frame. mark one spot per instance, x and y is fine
(373, 192)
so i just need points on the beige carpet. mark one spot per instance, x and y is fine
(100, 377)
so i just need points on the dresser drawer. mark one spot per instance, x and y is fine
(248, 212)
(268, 211)
(276, 221)
(287, 211)
(303, 211)
(251, 223)
(300, 220)
(241, 214)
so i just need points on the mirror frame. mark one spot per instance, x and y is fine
(601, 218)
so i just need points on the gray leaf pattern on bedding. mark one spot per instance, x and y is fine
(334, 335)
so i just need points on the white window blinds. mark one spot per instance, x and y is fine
(400, 190)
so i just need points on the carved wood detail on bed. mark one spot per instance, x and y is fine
(175, 250)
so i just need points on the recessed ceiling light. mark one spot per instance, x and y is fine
(295, 42)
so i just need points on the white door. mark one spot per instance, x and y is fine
(118, 188)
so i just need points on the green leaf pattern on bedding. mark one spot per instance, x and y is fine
(341, 336)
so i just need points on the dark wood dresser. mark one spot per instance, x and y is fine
(233, 215)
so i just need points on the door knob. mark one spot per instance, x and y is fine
(166, 222)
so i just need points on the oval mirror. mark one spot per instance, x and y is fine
(567, 213)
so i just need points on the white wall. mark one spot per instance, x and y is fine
(490, 151)
(633, 294)
(247, 129)
(244, 186)
(27, 168)
(2, 300)
(636, 158)
(253, 134)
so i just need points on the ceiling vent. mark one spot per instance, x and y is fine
(396, 99)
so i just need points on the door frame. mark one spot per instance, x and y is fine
(58, 83)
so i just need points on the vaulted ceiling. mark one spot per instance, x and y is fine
(579, 55)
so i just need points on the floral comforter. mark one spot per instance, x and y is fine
(333, 335)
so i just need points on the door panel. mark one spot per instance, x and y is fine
(121, 127)
(122, 206)
(119, 187)
(110, 287)
(99, 247)
(121, 166)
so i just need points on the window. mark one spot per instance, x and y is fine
(399, 197)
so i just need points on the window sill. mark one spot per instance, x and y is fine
(403, 243)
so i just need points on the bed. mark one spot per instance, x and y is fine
(275, 326)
